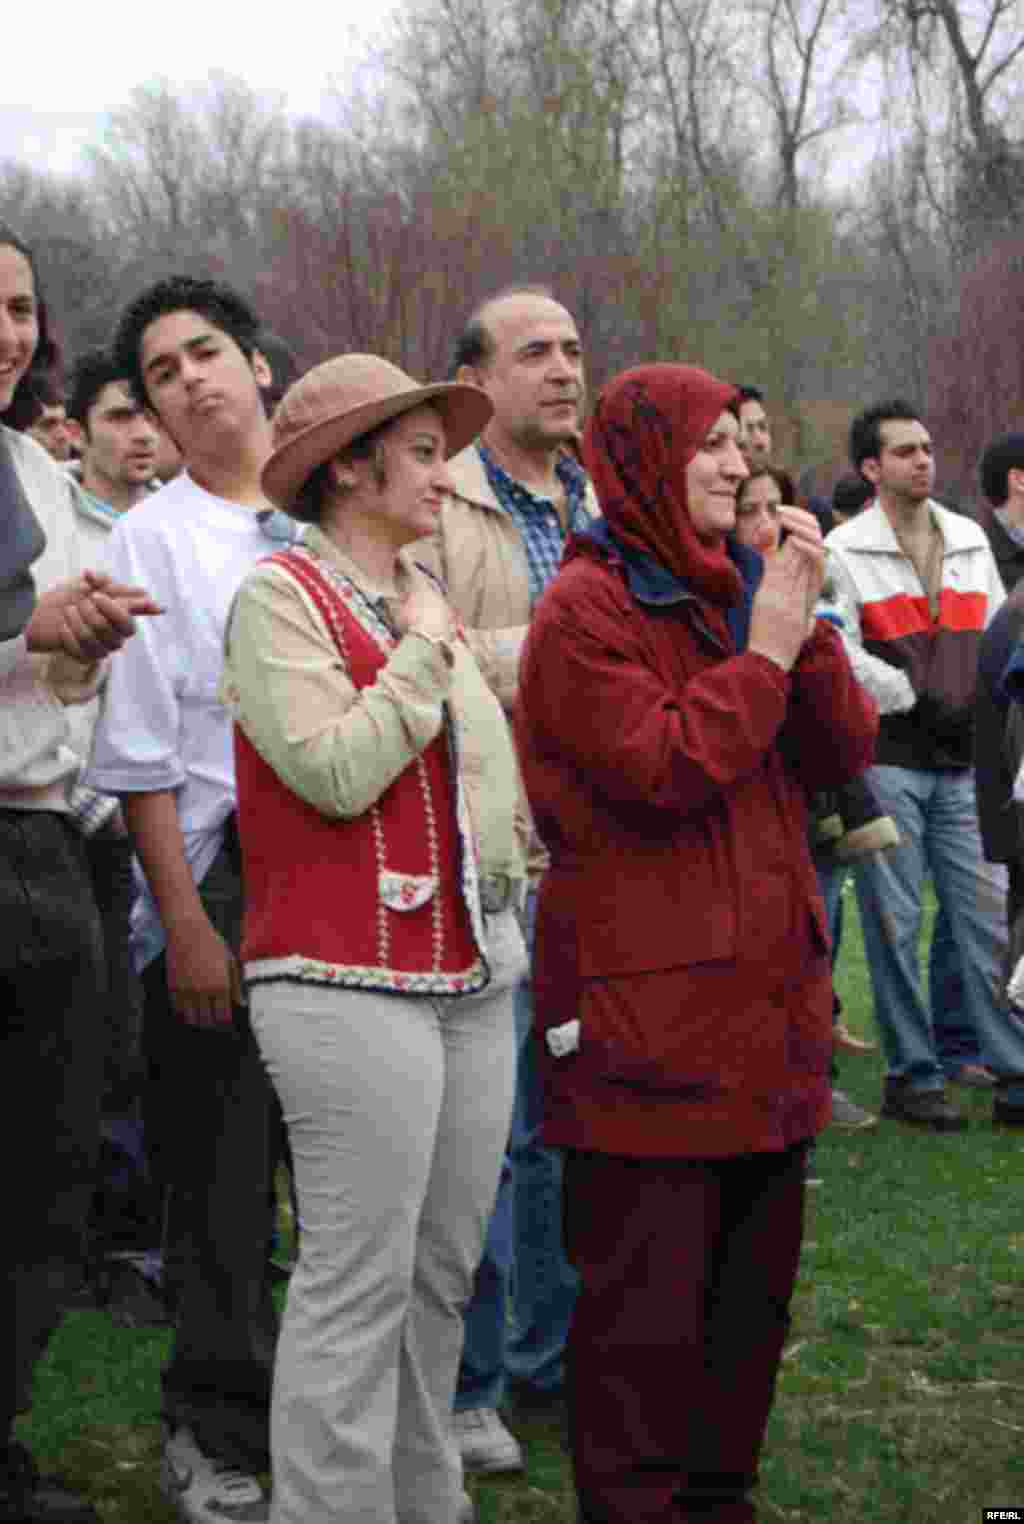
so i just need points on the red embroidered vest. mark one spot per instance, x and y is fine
(387, 901)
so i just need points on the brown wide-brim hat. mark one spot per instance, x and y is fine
(344, 398)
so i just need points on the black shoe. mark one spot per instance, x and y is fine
(921, 1108)
(1006, 1113)
(527, 1401)
(28, 1498)
(131, 1300)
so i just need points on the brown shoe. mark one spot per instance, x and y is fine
(845, 1040)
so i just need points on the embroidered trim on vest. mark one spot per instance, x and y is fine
(311, 572)
(316, 971)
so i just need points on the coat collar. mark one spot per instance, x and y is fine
(469, 482)
(469, 479)
(654, 585)
(871, 531)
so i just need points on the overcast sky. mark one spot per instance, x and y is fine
(92, 57)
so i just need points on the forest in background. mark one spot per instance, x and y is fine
(822, 197)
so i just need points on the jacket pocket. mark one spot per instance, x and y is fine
(405, 891)
(691, 1033)
(656, 911)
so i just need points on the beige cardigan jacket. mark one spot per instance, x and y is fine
(478, 554)
(339, 747)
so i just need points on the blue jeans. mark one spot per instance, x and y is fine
(956, 1041)
(524, 1270)
(937, 819)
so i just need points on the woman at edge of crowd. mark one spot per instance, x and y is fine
(759, 498)
(676, 699)
(52, 1036)
(383, 860)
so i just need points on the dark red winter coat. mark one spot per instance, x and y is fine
(668, 768)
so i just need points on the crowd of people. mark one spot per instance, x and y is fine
(441, 795)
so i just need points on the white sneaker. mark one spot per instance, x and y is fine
(484, 1442)
(206, 1490)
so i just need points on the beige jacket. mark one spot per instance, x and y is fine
(479, 556)
(37, 764)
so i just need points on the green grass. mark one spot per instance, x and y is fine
(901, 1396)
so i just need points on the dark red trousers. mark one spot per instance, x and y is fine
(687, 1268)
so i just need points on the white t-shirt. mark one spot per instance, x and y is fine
(161, 725)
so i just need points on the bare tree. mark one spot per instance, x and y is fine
(960, 58)
(697, 70)
(801, 40)
(976, 386)
(980, 67)
(79, 270)
(179, 170)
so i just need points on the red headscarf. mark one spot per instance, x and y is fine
(646, 427)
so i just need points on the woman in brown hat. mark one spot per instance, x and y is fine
(377, 792)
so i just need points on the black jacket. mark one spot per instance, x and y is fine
(1009, 555)
(998, 743)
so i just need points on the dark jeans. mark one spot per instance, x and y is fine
(125, 1212)
(687, 1268)
(109, 858)
(211, 1126)
(51, 1072)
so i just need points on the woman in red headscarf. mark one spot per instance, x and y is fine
(677, 702)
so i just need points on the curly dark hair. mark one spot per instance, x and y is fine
(41, 374)
(212, 299)
(92, 371)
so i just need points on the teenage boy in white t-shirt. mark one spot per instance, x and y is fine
(163, 743)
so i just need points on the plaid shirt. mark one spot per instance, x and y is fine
(537, 518)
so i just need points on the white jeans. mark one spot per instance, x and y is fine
(398, 1113)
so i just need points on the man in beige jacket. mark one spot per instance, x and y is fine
(519, 493)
